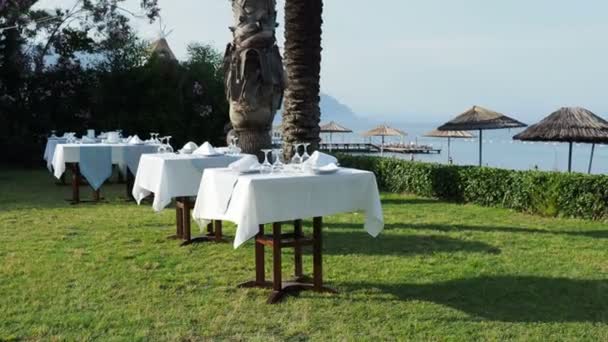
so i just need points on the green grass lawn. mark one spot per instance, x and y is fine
(439, 271)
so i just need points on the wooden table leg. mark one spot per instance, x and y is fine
(129, 185)
(297, 227)
(96, 195)
(210, 231)
(187, 234)
(296, 240)
(317, 253)
(260, 268)
(277, 281)
(178, 221)
(260, 273)
(218, 230)
(75, 183)
(214, 229)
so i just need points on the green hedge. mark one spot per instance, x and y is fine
(546, 193)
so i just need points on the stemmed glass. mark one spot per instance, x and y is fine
(266, 166)
(278, 165)
(169, 147)
(296, 159)
(305, 156)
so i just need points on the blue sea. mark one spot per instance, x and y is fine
(499, 150)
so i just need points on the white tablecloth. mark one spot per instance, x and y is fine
(49, 151)
(124, 155)
(169, 175)
(251, 200)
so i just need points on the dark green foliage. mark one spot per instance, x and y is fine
(545, 193)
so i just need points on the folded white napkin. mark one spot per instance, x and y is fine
(189, 147)
(329, 167)
(319, 159)
(135, 140)
(247, 163)
(206, 150)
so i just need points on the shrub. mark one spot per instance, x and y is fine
(545, 193)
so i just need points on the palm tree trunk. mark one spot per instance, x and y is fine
(301, 113)
(253, 71)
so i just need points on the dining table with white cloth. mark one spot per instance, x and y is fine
(253, 200)
(94, 161)
(249, 200)
(172, 176)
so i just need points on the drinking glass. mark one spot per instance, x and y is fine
(169, 147)
(266, 166)
(278, 165)
(305, 156)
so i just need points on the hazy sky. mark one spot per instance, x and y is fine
(431, 59)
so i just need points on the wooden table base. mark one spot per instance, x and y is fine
(183, 205)
(76, 181)
(297, 240)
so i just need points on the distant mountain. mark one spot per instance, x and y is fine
(334, 110)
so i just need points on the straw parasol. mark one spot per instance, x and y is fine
(449, 134)
(479, 118)
(333, 127)
(161, 48)
(384, 131)
(570, 125)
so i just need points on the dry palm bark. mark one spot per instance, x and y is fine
(253, 73)
(301, 114)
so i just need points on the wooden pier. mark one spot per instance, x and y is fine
(373, 148)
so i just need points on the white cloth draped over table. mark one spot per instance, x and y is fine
(123, 155)
(49, 150)
(169, 175)
(251, 200)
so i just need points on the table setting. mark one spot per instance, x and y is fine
(177, 176)
(93, 157)
(252, 195)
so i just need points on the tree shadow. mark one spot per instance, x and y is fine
(602, 234)
(410, 201)
(339, 243)
(510, 298)
(447, 228)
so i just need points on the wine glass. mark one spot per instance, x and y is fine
(278, 165)
(305, 156)
(169, 147)
(266, 166)
(296, 159)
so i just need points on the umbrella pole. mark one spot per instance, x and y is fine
(591, 158)
(330, 136)
(382, 147)
(449, 140)
(480, 146)
(570, 158)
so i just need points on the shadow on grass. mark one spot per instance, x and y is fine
(338, 243)
(492, 229)
(446, 228)
(404, 201)
(510, 298)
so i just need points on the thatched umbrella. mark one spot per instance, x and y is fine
(161, 48)
(479, 118)
(384, 131)
(570, 125)
(449, 134)
(332, 128)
